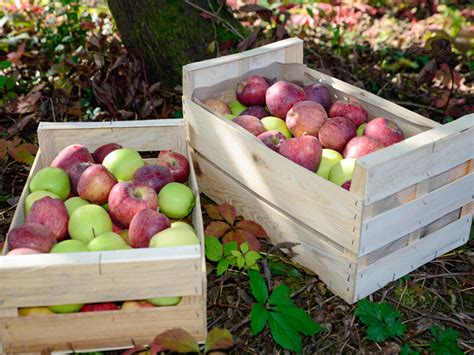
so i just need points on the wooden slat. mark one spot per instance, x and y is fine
(210, 72)
(97, 330)
(387, 227)
(399, 166)
(397, 264)
(314, 252)
(304, 195)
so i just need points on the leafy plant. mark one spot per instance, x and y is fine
(445, 341)
(230, 227)
(7, 83)
(180, 341)
(229, 255)
(380, 319)
(406, 350)
(287, 321)
(21, 152)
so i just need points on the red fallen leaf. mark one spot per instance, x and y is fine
(218, 339)
(217, 229)
(88, 25)
(3, 148)
(24, 104)
(252, 227)
(228, 237)
(213, 212)
(24, 153)
(15, 56)
(156, 348)
(177, 340)
(135, 349)
(228, 211)
(242, 236)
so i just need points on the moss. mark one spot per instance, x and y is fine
(413, 296)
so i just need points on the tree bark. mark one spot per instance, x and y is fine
(167, 34)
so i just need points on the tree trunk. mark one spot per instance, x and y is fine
(167, 34)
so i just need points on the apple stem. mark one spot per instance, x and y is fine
(93, 232)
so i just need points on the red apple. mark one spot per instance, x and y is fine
(272, 139)
(176, 162)
(52, 213)
(250, 123)
(136, 304)
(156, 176)
(336, 132)
(256, 111)
(305, 151)
(145, 224)
(319, 93)
(217, 105)
(71, 155)
(306, 118)
(23, 251)
(360, 146)
(251, 90)
(351, 110)
(127, 198)
(101, 152)
(385, 131)
(98, 307)
(347, 185)
(75, 173)
(95, 184)
(32, 236)
(281, 97)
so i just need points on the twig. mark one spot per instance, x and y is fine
(450, 91)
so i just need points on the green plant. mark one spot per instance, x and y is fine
(7, 83)
(287, 321)
(445, 341)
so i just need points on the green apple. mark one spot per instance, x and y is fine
(176, 200)
(123, 163)
(87, 222)
(66, 308)
(164, 301)
(34, 311)
(236, 107)
(182, 224)
(361, 129)
(105, 206)
(328, 159)
(36, 195)
(229, 116)
(51, 179)
(69, 246)
(74, 203)
(176, 236)
(124, 234)
(271, 123)
(107, 241)
(342, 171)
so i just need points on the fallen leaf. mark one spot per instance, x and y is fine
(177, 340)
(218, 339)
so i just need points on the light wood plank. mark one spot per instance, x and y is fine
(314, 252)
(8, 312)
(400, 263)
(306, 196)
(387, 227)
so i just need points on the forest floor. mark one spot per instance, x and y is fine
(65, 62)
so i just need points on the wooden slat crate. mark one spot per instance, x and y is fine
(408, 203)
(48, 279)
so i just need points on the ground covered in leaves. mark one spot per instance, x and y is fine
(65, 62)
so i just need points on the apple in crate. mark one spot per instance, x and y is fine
(342, 171)
(361, 129)
(52, 213)
(123, 163)
(329, 158)
(236, 108)
(305, 151)
(136, 304)
(347, 185)
(176, 200)
(145, 224)
(176, 162)
(32, 236)
(250, 123)
(127, 198)
(104, 150)
(319, 93)
(107, 241)
(306, 118)
(182, 224)
(256, 111)
(281, 97)
(34, 311)
(87, 222)
(34, 196)
(172, 237)
(356, 112)
(70, 156)
(51, 179)
(23, 251)
(164, 301)
(385, 131)
(217, 105)
(66, 308)
(95, 184)
(272, 139)
(336, 132)
(99, 307)
(74, 203)
(69, 246)
(155, 176)
(360, 146)
(75, 173)
(271, 123)
(251, 90)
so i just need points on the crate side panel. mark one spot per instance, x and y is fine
(334, 267)
(397, 264)
(321, 204)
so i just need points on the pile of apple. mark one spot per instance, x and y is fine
(305, 126)
(108, 200)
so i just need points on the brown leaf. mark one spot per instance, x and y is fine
(213, 212)
(228, 237)
(242, 236)
(428, 72)
(134, 350)
(250, 40)
(217, 229)
(253, 227)
(177, 340)
(24, 153)
(218, 339)
(261, 11)
(24, 104)
(228, 212)
(15, 56)
(3, 148)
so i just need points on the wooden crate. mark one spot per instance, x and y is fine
(408, 203)
(45, 279)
